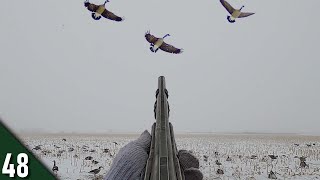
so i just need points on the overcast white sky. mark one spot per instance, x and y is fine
(62, 71)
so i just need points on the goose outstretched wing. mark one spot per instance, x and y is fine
(92, 7)
(109, 15)
(245, 14)
(150, 38)
(170, 49)
(228, 7)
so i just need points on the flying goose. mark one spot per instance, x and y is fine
(95, 171)
(158, 43)
(100, 10)
(55, 168)
(235, 13)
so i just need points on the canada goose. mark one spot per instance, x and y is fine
(158, 43)
(95, 171)
(100, 10)
(235, 13)
(64, 139)
(55, 168)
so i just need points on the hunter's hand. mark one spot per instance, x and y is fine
(131, 160)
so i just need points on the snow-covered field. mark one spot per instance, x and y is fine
(241, 156)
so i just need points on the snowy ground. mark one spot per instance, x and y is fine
(248, 154)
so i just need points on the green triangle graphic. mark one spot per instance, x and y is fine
(10, 144)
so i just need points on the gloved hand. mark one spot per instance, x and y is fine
(131, 159)
(189, 165)
(130, 162)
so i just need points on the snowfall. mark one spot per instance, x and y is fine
(239, 156)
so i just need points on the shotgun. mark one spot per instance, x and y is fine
(163, 163)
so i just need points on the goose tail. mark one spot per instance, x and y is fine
(230, 20)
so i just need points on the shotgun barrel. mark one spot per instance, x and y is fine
(163, 163)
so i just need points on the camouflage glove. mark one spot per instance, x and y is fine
(189, 165)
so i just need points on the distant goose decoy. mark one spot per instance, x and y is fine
(100, 10)
(303, 159)
(218, 163)
(106, 150)
(158, 43)
(55, 168)
(253, 157)
(205, 158)
(37, 147)
(235, 13)
(95, 171)
(92, 151)
(88, 158)
(220, 171)
(272, 175)
(94, 162)
(273, 156)
(228, 159)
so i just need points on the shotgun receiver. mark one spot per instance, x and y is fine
(163, 163)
